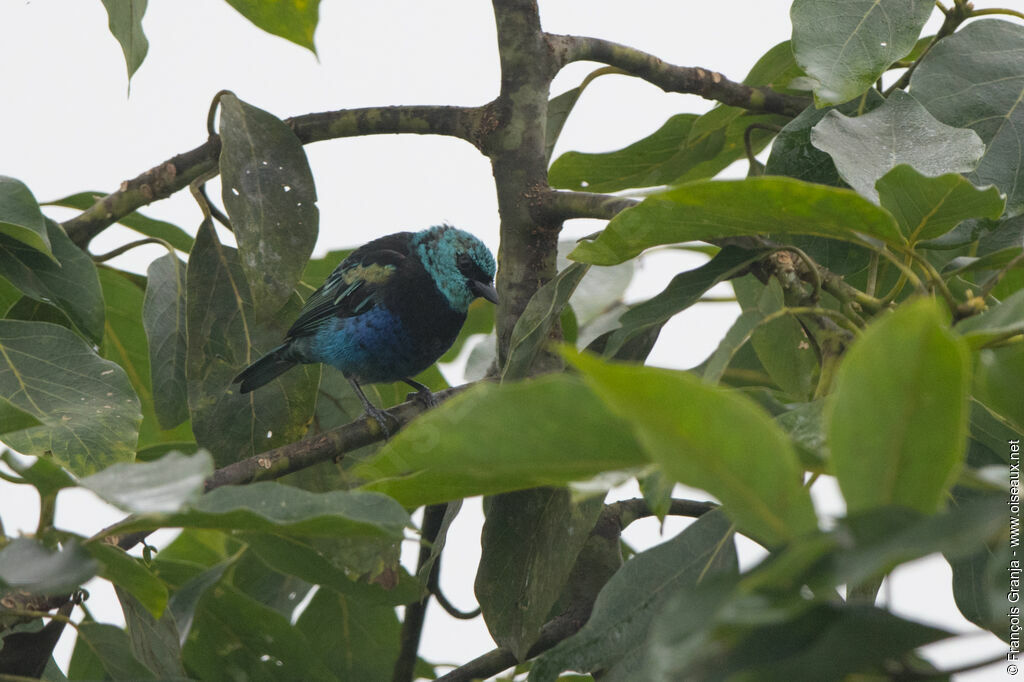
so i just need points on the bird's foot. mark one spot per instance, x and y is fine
(423, 395)
(382, 418)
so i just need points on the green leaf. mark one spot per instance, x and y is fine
(110, 650)
(224, 337)
(739, 333)
(269, 194)
(622, 615)
(20, 217)
(42, 474)
(124, 342)
(781, 344)
(717, 209)
(66, 279)
(999, 321)
(848, 50)
(683, 291)
(293, 20)
(874, 542)
(272, 507)
(687, 147)
(164, 319)
(163, 486)
(927, 207)
(357, 638)
(235, 635)
(867, 147)
(154, 642)
(131, 575)
(999, 376)
(28, 566)
(826, 641)
(973, 79)
(979, 588)
(305, 559)
(125, 21)
(149, 227)
(531, 331)
(89, 412)
(529, 545)
(439, 457)
(701, 436)
(907, 377)
(561, 106)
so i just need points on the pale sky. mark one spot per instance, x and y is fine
(68, 125)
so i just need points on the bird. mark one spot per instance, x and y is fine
(386, 313)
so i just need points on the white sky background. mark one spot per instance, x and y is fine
(67, 125)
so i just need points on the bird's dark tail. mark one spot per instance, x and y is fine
(266, 369)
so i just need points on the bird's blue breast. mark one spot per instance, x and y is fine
(373, 347)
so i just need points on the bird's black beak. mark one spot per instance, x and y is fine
(484, 290)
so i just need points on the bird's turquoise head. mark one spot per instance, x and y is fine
(460, 264)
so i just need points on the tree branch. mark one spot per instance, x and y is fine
(176, 173)
(562, 205)
(670, 78)
(412, 624)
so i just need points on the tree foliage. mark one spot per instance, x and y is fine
(877, 259)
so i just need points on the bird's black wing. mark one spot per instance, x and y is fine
(354, 286)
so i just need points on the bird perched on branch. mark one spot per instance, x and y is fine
(387, 312)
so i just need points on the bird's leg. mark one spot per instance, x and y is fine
(423, 394)
(380, 416)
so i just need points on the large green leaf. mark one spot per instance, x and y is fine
(781, 344)
(150, 227)
(848, 47)
(545, 431)
(906, 377)
(273, 507)
(927, 207)
(164, 319)
(155, 642)
(999, 376)
(223, 337)
(28, 566)
(701, 436)
(20, 217)
(718, 209)
(687, 147)
(864, 148)
(529, 545)
(163, 486)
(125, 21)
(975, 79)
(235, 636)
(293, 20)
(107, 651)
(269, 194)
(615, 635)
(124, 342)
(67, 279)
(90, 414)
(357, 638)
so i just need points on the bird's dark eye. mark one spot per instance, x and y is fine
(465, 264)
